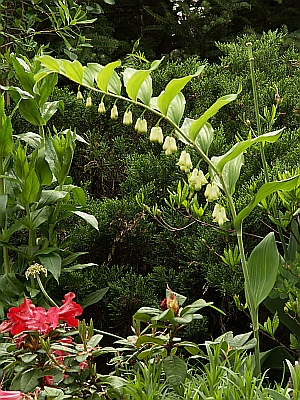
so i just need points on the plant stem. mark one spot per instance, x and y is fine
(4, 249)
(261, 145)
(44, 291)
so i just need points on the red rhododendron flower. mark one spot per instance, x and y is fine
(28, 317)
(10, 395)
(69, 310)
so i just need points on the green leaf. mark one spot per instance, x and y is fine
(210, 112)
(6, 140)
(38, 217)
(94, 340)
(32, 138)
(262, 267)
(205, 137)
(50, 197)
(146, 313)
(134, 79)
(172, 89)
(191, 347)
(175, 369)
(73, 70)
(11, 286)
(150, 340)
(49, 109)
(230, 172)
(30, 188)
(164, 315)
(275, 395)
(79, 195)
(94, 297)
(176, 108)
(30, 380)
(30, 111)
(51, 63)
(264, 191)
(25, 76)
(194, 307)
(105, 75)
(90, 219)
(52, 262)
(240, 147)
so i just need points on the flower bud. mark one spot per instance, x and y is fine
(219, 215)
(197, 179)
(156, 135)
(79, 95)
(101, 108)
(88, 101)
(185, 162)
(127, 118)
(114, 112)
(169, 145)
(212, 192)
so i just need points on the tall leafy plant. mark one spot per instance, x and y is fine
(223, 171)
(36, 191)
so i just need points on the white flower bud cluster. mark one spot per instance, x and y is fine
(197, 179)
(185, 162)
(141, 125)
(156, 135)
(219, 214)
(114, 112)
(169, 145)
(127, 118)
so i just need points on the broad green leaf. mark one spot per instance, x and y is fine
(187, 122)
(6, 140)
(176, 108)
(73, 70)
(94, 340)
(172, 89)
(182, 320)
(264, 191)
(205, 137)
(16, 93)
(50, 197)
(32, 138)
(25, 76)
(72, 257)
(30, 380)
(90, 219)
(105, 75)
(151, 340)
(191, 347)
(38, 217)
(79, 195)
(51, 63)
(30, 188)
(164, 315)
(44, 88)
(262, 267)
(88, 77)
(240, 147)
(146, 313)
(52, 262)
(133, 80)
(30, 111)
(49, 109)
(94, 297)
(210, 112)
(175, 369)
(194, 307)
(77, 267)
(230, 172)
